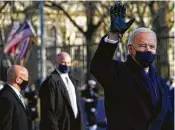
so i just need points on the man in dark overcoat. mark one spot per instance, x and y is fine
(136, 97)
(60, 108)
(14, 113)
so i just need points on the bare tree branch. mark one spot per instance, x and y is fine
(136, 21)
(53, 4)
(102, 15)
(171, 26)
(34, 7)
(140, 14)
(130, 10)
(144, 8)
(4, 5)
(101, 19)
(151, 4)
(172, 8)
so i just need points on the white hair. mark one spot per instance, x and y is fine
(91, 82)
(139, 30)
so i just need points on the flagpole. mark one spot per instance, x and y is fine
(43, 49)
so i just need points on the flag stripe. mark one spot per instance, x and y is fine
(24, 48)
(22, 32)
(13, 31)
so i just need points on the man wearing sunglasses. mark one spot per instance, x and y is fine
(14, 114)
(135, 95)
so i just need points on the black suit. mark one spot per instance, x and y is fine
(128, 105)
(56, 110)
(13, 115)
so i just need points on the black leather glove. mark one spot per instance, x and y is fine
(118, 13)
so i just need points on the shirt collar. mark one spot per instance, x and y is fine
(15, 89)
(62, 74)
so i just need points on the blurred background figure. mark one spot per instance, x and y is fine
(32, 99)
(90, 96)
(171, 85)
(1, 84)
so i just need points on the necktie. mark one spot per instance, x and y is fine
(22, 100)
(72, 96)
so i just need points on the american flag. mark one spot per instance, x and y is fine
(18, 36)
(24, 48)
(14, 49)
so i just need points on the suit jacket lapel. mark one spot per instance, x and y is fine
(136, 75)
(64, 91)
(62, 86)
(17, 98)
(163, 103)
(160, 113)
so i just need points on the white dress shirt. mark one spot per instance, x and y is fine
(110, 41)
(71, 91)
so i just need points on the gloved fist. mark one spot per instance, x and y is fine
(118, 13)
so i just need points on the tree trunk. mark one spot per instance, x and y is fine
(161, 28)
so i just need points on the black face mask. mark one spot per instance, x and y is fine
(145, 59)
(64, 68)
(24, 84)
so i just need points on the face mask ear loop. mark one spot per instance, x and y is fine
(134, 57)
(134, 48)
